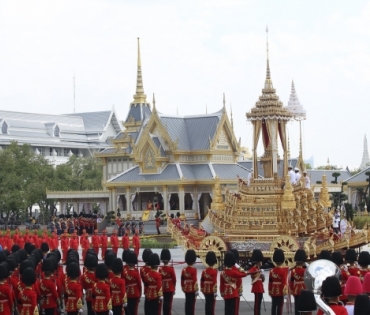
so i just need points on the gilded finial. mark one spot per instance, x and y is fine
(268, 74)
(139, 97)
(206, 109)
(224, 102)
(288, 153)
(153, 101)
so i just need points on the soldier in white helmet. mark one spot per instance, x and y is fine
(307, 180)
(297, 175)
(250, 176)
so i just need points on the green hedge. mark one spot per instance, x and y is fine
(153, 243)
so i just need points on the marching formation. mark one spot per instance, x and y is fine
(39, 280)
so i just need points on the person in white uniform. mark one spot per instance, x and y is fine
(291, 175)
(307, 180)
(250, 177)
(297, 175)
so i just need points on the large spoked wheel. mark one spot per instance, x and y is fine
(211, 243)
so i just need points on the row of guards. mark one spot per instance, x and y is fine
(33, 280)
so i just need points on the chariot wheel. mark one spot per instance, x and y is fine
(211, 243)
(288, 244)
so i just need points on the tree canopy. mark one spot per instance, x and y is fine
(25, 177)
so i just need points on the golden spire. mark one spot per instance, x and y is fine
(301, 163)
(268, 82)
(288, 153)
(139, 97)
(206, 109)
(224, 102)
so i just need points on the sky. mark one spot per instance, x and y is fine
(192, 52)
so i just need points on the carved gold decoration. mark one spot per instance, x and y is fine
(211, 243)
(284, 242)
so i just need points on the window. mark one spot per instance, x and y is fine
(4, 128)
(56, 131)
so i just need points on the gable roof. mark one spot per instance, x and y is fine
(316, 175)
(359, 177)
(192, 132)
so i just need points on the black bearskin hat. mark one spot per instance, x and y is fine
(153, 260)
(4, 271)
(131, 258)
(91, 261)
(364, 259)
(108, 260)
(235, 252)
(117, 266)
(28, 276)
(278, 256)
(306, 301)
(73, 270)
(101, 272)
(324, 254)
(44, 247)
(22, 254)
(7, 253)
(30, 249)
(146, 254)
(300, 255)
(54, 259)
(337, 258)
(12, 262)
(362, 305)
(190, 256)
(165, 254)
(2, 256)
(229, 259)
(48, 265)
(331, 287)
(57, 252)
(351, 255)
(28, 263)
(124, 254)
(15, 248)
(257, 255)
(211, 258)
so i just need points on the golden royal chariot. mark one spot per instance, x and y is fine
(268, 212)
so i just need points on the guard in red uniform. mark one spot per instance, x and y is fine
(85, 244)
(104, 243)
(208, 283)
(133, 284)
(118, 288)
(53, 241)
(331, 291)
(257, 280)
(351, 259)
(6, 294)
(108, 261)
(143, 273)
(73, 242)
(114, 242)
(73, 290)
(88, 280)
(228, 284)
(158, 223)
(48, 288)
(364, 262)
(136, 243)
(154, 293)
(297, 277)
(353, 288)
(16, 237)
(27, 296)
(95, 242)
(168, 281)
(102, 302)
(337, 258)
(278, 283)
(65, 245)
(189, 282)
(239, 281)
(125, 241)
